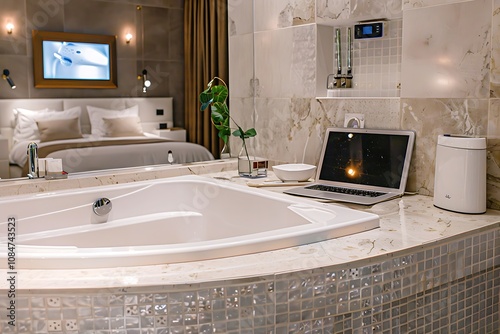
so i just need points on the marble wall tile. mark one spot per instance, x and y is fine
(378, 9)
(432, 117)
(270, 15)
(410, 4)
(241, 60)
(357, 10)
(381, 113)
(495, 51)
(493, 162)
(493, 176)
(494, 119)
(241, 17)
(327, 10)
(443, 59)
(296, 126)
(285, 62)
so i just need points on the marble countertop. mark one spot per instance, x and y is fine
(21, 186)
(405, 222)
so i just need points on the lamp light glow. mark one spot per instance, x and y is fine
(10, 28)
(128, 38)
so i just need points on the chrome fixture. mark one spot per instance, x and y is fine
(32, 160)
(102, 206)
(339, 79)
(348, 77)
(339, 56)
(5, 76)
(170, 157)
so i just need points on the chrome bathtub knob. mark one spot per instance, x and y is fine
(102, 206)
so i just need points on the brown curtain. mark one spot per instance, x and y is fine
(206, 56)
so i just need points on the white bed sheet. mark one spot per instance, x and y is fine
(115, 156)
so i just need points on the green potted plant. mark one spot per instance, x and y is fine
(216, 96)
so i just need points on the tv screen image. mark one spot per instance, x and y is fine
(73, 60)
(69, 60)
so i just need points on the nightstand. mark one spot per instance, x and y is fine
(4, 158)
(177, 134)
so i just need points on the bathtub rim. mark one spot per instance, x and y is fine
(87, 255)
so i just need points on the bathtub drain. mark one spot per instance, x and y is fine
(102, 206)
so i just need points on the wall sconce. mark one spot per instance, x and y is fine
(5, 76)
(145, 81)
(128, 38)
(10, 28)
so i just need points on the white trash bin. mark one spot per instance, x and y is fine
(460, 175)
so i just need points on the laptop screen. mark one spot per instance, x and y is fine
(373, 159)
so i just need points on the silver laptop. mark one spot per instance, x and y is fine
(364, 166)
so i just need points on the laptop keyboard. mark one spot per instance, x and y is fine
(347, 191)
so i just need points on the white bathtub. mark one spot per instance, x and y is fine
(179, 219)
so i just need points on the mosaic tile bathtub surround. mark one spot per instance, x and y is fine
(447, 287)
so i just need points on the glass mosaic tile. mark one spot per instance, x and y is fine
(448, 288)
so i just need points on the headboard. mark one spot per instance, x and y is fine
(148, 107)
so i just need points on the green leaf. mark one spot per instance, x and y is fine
(219, 127)
(225, 131)
(238, 133)
(224, 135)
(220, 93)
(206, 98)
(217, 117)
(204, 106)
(221, 108)
(250, 133)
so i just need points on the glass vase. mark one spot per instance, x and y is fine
(249, 164)
(225, 153)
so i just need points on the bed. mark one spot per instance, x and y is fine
(94, 133)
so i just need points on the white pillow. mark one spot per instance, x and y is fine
(26, 128)
(23, 119)
(96, 116)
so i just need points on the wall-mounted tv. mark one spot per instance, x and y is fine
(71, 60)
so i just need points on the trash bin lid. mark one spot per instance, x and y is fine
(464, 142)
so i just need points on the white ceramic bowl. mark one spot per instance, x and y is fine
(294, 172)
